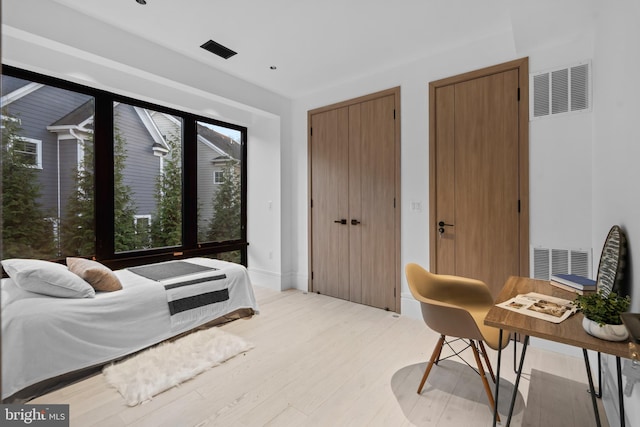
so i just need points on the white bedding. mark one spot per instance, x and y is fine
(44, 336)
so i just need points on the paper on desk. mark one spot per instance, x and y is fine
(540, 306)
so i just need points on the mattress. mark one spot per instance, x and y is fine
(44, 337)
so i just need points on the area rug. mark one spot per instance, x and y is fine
(166, 365)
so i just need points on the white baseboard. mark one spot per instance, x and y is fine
(296, 281)
(266, 279)
(278, 281)
(409, 306)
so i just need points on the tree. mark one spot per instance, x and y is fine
(226, 222)
(78, 226)
(166, 227)
(26, 233)
(126, 237)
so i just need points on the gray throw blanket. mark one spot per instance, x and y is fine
(191, 289)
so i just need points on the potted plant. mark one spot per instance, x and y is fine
(602, 314)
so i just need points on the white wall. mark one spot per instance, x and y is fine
(581, 180)
(560, 160)
(616, 153)
(554, 143)
(413, 80)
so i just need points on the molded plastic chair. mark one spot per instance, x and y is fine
(456, 307)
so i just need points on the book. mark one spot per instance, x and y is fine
(574, 281)
(540, 306)
(571, 288)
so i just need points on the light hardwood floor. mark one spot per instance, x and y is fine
(320, 361)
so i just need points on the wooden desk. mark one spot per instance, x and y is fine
(568, 332)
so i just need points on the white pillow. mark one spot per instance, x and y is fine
(47, 278)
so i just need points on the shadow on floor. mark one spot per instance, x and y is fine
(554, 400)
(453, 395)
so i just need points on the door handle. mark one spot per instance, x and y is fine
(441, 226)
(355, 222)
(340, 221)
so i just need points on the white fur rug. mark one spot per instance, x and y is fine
(166, 365)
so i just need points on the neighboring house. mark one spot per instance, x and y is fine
(37, 107)
(215, 151)
(55, 124)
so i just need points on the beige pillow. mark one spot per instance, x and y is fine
(98, 275)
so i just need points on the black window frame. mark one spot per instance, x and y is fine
(104, 179)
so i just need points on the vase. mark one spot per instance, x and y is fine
(605, 332)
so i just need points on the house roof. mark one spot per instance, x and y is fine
(223, 142)
(77, 116)
(82, 115)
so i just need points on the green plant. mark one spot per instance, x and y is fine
(603, 309)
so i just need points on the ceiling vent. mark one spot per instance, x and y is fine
(560, 91)
(218, 49)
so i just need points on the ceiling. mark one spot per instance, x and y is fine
(312, 44)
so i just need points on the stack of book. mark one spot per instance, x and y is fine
(574, 283)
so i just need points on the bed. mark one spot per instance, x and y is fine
(45, 338)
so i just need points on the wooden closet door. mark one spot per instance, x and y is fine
(375, 194)
(330, 198)
(354, 175)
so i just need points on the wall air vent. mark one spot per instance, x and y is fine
(218, 49)
(560, 91)
(546, 262)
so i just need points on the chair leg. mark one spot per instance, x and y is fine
(483, 376)
(486, 360)
(434, 356)
(439, 353)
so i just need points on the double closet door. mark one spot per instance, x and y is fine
(354, 206)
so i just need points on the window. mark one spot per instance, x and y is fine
(147, 178)
(221, 205)
(28, 151)
(115, 178)
(48, 207)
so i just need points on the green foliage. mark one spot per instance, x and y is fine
(166, 228)
(226, 222)
(26, 233)
(603, 309)
(126, 238)
(78, 226)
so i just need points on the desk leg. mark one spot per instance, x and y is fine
(620, 392)
(599, 395)
(591, 389)
(495, 406)
(525, 344)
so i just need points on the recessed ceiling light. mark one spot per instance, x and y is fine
(142, 1)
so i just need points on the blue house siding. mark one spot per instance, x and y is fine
(10, 84)
(141, 167)
(206, 188)
(36, 111)
(68, 165)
